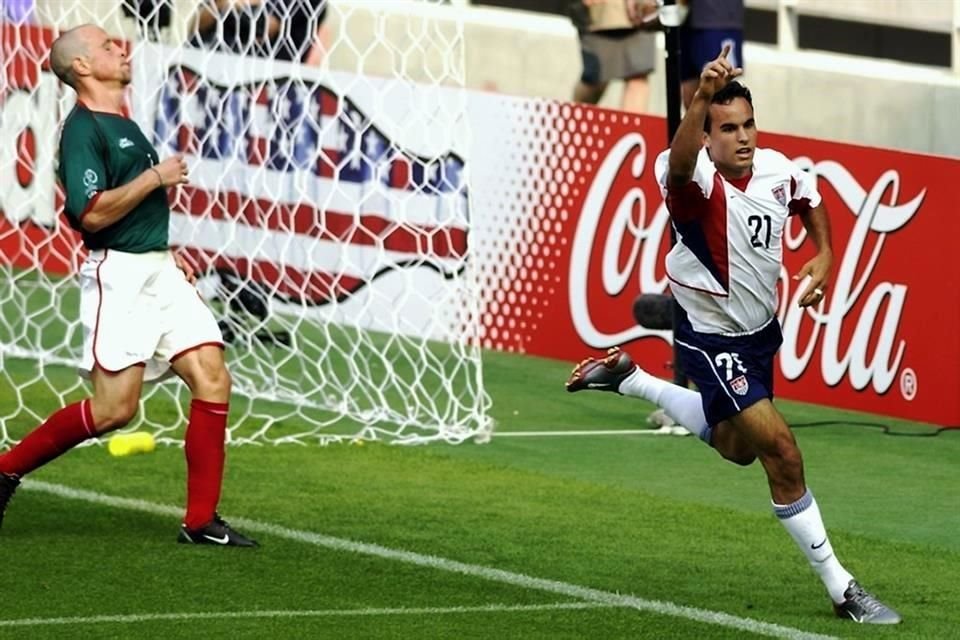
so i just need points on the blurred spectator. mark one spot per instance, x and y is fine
(615, 45)
(17, 11)
(710, 25)
(151, 16)
(278, 29)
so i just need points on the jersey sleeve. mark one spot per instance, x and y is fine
(83, 170)
(689, 201)
(803, 191)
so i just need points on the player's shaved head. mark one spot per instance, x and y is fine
(71, 45)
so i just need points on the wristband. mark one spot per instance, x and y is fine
(158, 175)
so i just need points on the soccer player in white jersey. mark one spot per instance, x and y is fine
(729, 202)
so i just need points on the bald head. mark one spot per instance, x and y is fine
(71, 45)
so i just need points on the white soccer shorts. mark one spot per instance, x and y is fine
(139, 308)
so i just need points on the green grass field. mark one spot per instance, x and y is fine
(638, 536)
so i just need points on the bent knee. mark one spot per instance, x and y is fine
(783, 456)
(223, 382)
(786, 449)
(214, 383)
(742, 458)
(114, 416)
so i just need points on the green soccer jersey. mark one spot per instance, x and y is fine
(102, 151)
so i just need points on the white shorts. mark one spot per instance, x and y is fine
(139, 309)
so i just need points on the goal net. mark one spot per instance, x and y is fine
(328, 213)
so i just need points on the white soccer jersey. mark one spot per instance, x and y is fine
(725, 266)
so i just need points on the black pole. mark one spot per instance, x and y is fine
(673, 77)
(673, 54)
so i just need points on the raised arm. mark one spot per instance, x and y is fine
(689, 137)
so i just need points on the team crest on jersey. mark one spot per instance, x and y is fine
(90, 179)
(740, 385)
(780, 194)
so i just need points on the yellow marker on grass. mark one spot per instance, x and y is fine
(126, 444)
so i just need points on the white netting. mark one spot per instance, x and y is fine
(328, 210)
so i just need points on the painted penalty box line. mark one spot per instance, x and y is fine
(488, 573)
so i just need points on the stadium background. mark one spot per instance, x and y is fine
(878, 103)
(868, 351)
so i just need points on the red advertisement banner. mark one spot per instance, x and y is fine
(885, 339)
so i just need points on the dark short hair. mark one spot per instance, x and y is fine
(727, 95)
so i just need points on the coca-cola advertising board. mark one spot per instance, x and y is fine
(591, 232)
(567, 227)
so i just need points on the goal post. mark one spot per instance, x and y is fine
(328, 213)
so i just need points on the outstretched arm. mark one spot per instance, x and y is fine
(689, 137)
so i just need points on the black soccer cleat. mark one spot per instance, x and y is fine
(863, 607)
(602, 375)
(8, 485)
(216, 532)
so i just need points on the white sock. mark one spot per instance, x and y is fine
(802, 520)
(683, 405)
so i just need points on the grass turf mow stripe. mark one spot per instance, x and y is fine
(487, 573)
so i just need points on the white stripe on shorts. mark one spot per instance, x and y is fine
(712, 368)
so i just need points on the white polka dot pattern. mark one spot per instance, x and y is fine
(533, 168)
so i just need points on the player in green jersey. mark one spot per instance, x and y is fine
(141, 315)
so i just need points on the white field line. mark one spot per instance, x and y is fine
(306, 613)
(478, 571)
(662, 431)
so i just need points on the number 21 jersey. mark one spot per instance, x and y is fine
(726, 263)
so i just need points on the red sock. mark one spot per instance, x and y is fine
(203, 446)
(61, 432)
